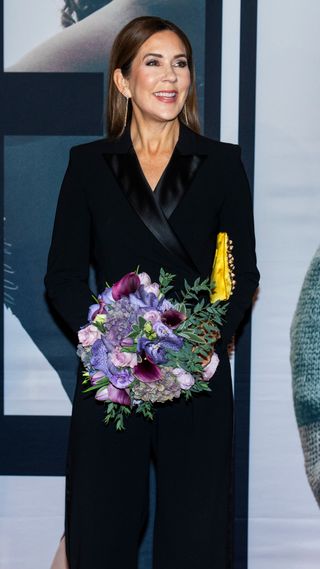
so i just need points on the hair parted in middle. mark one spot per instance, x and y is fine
(125, 47)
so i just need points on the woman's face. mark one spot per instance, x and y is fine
(159, 78)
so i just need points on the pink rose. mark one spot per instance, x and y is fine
(211, 367)
(185, 379)
(152, 315)
(123, 359)
(88, 335)
(144, 279)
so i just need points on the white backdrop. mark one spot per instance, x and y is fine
(284, 520)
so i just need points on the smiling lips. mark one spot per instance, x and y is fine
(166, 96)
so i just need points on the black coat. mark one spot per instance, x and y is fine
(108, 214)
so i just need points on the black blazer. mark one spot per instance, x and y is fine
(107, 214)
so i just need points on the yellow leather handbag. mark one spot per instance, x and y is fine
(222, 275)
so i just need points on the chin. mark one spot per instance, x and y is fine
(167, 117)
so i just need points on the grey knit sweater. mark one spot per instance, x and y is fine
(305, 366)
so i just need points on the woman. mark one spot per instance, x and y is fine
(156, 193)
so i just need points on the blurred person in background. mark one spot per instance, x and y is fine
(305, 366)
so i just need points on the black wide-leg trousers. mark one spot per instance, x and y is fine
(107, 482)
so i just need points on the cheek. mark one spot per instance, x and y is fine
(144, 81)
(186, 81)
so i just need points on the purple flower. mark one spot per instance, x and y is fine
(126, 285)
(184, 378)
(126, 342)
(153, 287)
(96, 376)
(152, 315)
(123, 359)
(172, 317)
(156, 352)
(162, 330)
(153, 350)
(142, 298)
(122, 378)
(88, 335)
(111, 393)
(164, 304)
(146, 370)
(144, 278)
(106, 296)
(101, 361)
(167, 338)
(99, 357)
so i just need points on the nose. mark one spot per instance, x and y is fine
(169, 73)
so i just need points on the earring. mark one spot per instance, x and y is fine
(185, 115)
(125, 114)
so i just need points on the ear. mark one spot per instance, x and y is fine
(121, 83)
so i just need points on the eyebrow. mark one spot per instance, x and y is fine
(159, 55)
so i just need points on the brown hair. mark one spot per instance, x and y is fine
(124, 49)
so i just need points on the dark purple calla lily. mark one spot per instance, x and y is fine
(172, 317)
(127, 284)
(146, 370)
(111, 393)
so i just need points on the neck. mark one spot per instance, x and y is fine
(154, 138)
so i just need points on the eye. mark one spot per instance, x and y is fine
(181, 63)
(152, 62)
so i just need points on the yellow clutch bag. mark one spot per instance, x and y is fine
(222, 273)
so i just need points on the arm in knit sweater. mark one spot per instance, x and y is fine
(305, 366)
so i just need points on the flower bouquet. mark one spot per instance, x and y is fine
(140, 347)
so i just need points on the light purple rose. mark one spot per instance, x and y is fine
(153, 287)
(88, 335)
(162, 330)
(112, 393)
(144, 279)
(152, 315)
(123, 359)
(211, 367)
(184, 378)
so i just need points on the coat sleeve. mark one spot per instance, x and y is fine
(236, 218)
(66, 279)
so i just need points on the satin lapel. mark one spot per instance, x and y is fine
(126, 171)
(176, 180)
(156, 208)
